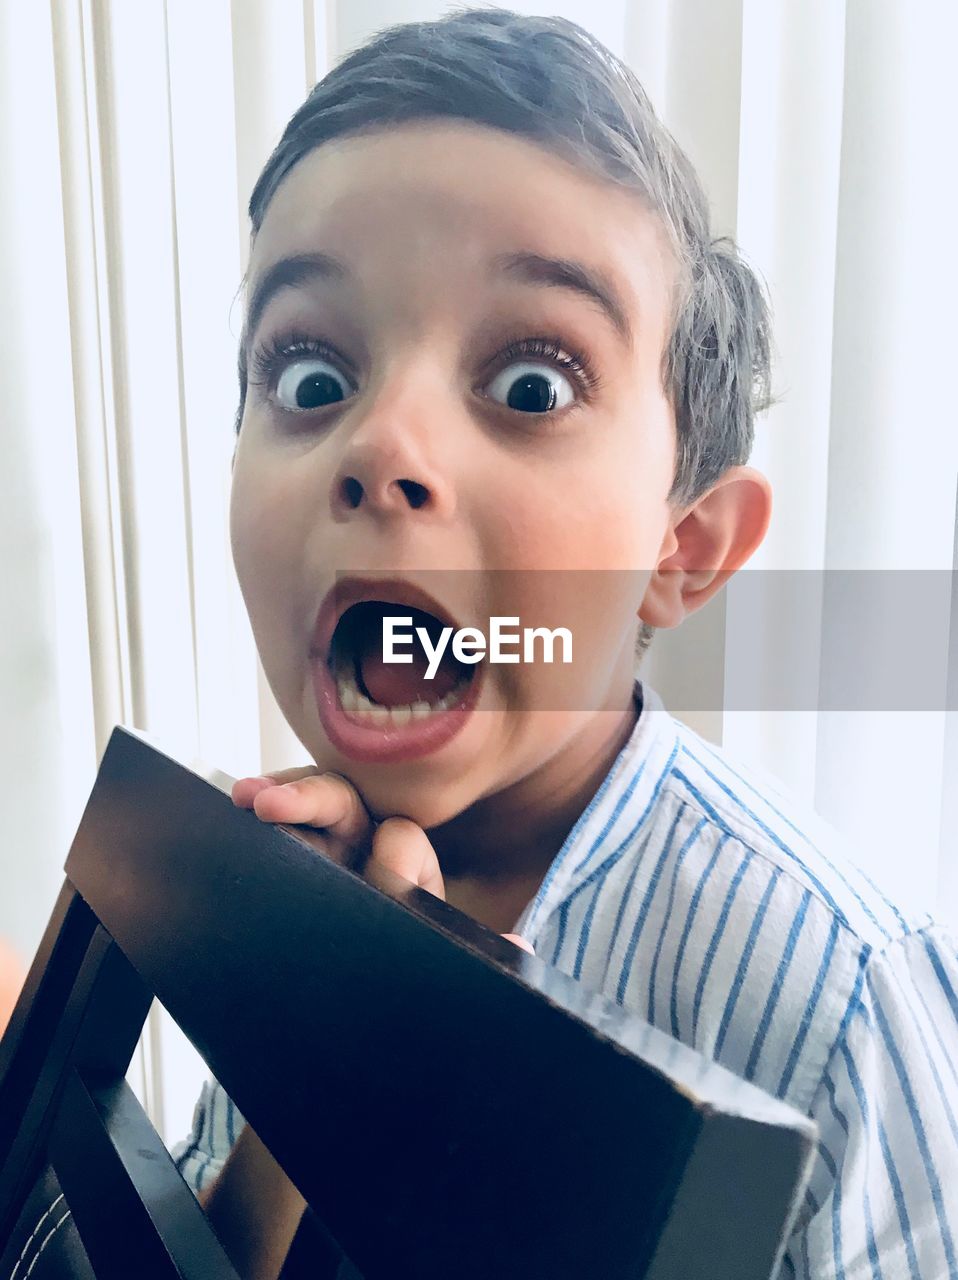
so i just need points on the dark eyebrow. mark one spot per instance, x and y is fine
(565, 273)
(290, 273)
(534, 268)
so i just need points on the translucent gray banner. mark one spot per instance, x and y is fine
(838, 640)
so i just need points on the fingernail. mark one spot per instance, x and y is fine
(258, 784)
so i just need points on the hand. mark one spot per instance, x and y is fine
(330, 802)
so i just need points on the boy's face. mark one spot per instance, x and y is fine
(424, 448)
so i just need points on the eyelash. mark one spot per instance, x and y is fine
(550, 348)
(269, 360)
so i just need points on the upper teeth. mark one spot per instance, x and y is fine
(353, 701)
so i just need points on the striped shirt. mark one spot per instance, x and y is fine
(700, 896)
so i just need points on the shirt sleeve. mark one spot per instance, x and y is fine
(217, 1124)
(883, 1196)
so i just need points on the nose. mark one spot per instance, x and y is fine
(384, 473)
(415, 494)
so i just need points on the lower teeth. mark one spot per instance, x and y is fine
(355, 703)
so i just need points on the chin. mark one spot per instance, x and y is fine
(395, 790)
(428, 804)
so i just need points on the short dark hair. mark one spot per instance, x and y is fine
(550, 80)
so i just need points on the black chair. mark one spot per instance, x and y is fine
(450, 1107)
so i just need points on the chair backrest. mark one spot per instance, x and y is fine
(447, 1104)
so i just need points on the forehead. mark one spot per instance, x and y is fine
(421, 196)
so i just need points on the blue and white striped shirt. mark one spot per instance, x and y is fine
(706, 901)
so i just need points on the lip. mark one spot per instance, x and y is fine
(346, 592)
(388, 743)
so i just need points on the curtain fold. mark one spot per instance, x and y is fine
(130, 138)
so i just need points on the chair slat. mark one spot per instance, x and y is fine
(42, 1053)
(133, 1211)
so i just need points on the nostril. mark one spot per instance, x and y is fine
(416, 493)
(352, 492)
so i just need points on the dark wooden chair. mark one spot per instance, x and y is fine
(451, 1107)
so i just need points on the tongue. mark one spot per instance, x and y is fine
(397, 684)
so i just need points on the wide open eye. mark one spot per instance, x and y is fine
(532, 388)
(310, 384)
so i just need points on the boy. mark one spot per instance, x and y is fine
(489, 335)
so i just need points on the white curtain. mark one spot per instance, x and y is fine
(130, 137)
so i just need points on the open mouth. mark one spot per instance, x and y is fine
(381, 711)
(373, 691)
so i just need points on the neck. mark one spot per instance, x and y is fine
(504, 843)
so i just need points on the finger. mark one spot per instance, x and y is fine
(520, 942)
(245, 790)
(402, 846)
(325, 800)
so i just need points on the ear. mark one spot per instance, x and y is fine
(705, 544)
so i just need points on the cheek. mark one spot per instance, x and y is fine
(601, 502)
(260, 540)
(630, 512)
(599, 512)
